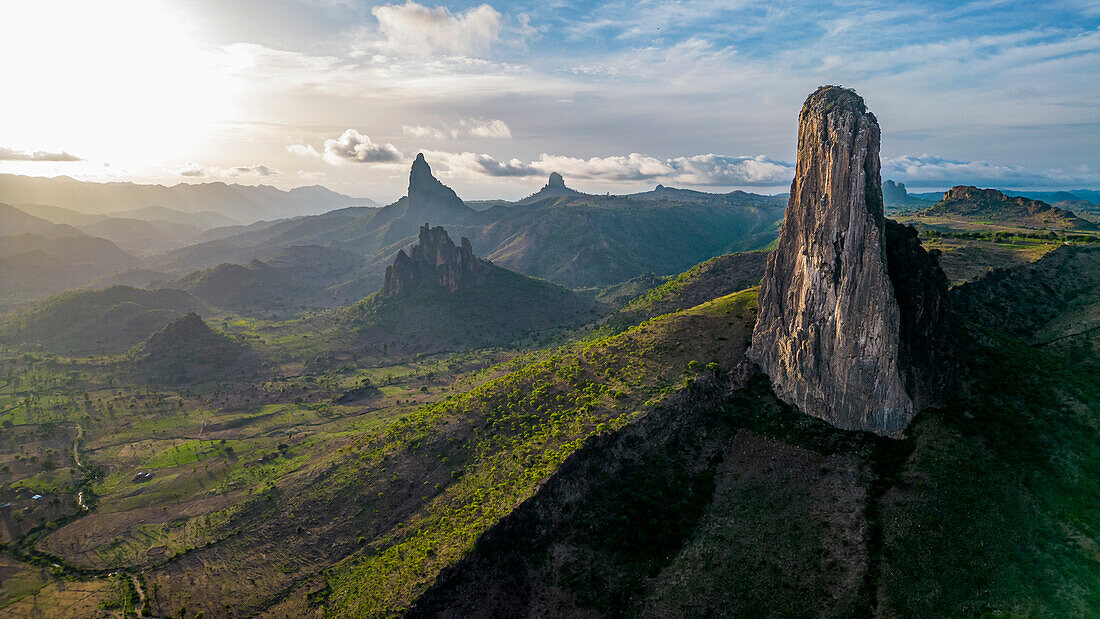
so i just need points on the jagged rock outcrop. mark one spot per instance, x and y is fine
(427, 200)
(433, 261)
(832, 333)
(896, 196)
(424, 188)
(992, 205)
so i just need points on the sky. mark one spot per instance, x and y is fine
(617, 95)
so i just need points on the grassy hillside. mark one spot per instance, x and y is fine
(747, 508)
(497, 307)
(187, 351)
(96, 322)
(619, 475)
(708, 280)
(506, 437)
(294, 279)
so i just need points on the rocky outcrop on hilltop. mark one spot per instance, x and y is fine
(992, 205)
(896, 196)
(554, 188)
(833, 334)
(434, 261)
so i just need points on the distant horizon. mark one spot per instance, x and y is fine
(764, 191)
(612, 95)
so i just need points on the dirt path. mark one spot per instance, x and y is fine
(140, 606)
(76, 458)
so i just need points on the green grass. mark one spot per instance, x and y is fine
(500, 440)
(998, 512)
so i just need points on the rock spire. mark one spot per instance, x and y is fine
(433, 261)
(832, 333)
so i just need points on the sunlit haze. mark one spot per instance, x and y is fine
(617, 96)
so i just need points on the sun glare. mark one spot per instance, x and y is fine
(119, 80)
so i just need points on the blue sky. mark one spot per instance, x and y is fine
(617, 96)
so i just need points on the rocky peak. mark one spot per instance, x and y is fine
(991, 198)
(424, 188)
(433, 261)
(554, 188)
(831, 332)
(992, 204)
(890, 189)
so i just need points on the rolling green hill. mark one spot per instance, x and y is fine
(187, 351)
(708, 280)
(630, 474)
(96, 322)
(569, 238)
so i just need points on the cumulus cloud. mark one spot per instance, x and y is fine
(709, 169)
(303, 150)
(191, 170)
(415, 28)
(486, 128)
(932, 171)
(425, 132)
(469, 127)
(195, 170)
(8, 154)
(354, 146)
(752, 171)
(475, 164)
(254, 170)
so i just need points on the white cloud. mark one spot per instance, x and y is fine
(254, 170)
(303, 150)
(474, 165)
(425, 132)
(354, 146)
(709, 169)
(469, 127)
(742, 171)
(413, 28)
(9, 154)
(486, 128)
(191, 170)
(310, 175)
(932, 171)
(195, 170)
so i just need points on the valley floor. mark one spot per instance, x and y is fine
(623, 472)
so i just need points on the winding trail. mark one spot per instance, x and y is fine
(140, 606)
(76, 458)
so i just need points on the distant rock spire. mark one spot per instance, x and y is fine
(433, 261)
(836, 328)
(554, 188)
(429, 199)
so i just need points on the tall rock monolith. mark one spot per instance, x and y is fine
(832, 333)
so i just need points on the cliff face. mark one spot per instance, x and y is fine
(434, 260)
(831, 333)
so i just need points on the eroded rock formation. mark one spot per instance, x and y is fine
(832, 333)
(435, 260)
